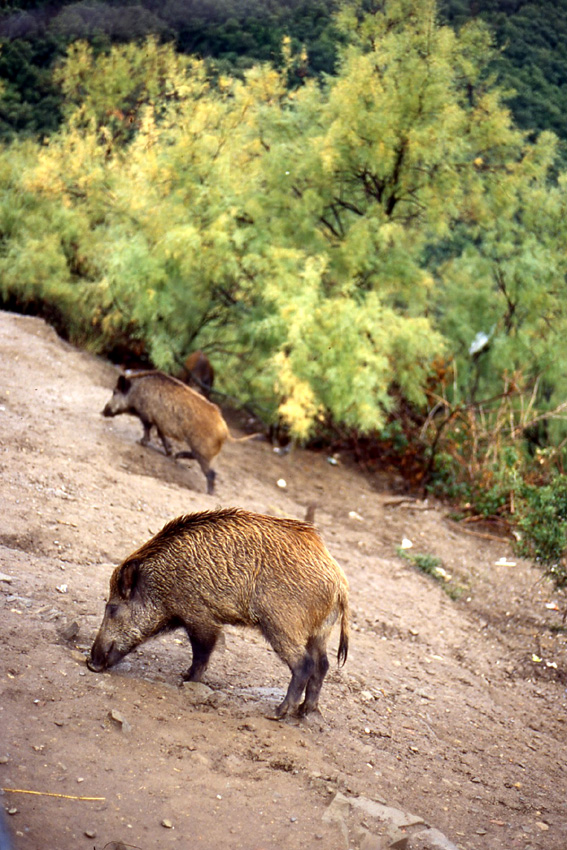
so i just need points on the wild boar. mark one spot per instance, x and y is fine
(177, 411)
(230, 566)
(198, 372)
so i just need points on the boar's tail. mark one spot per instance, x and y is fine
(344, 612)
(255, 435)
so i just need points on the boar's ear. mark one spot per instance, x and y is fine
(123, 384)
(129, 579)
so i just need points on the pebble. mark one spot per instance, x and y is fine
(167, 823)
(120, 720)
(197, 693)
(71, 631)
(90, 833)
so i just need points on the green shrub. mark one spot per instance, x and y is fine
(542, 521)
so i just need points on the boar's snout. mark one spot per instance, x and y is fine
(102, 657)
(107, 410)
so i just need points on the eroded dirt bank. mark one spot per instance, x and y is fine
(441, 710)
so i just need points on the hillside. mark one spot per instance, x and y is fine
(442, 711)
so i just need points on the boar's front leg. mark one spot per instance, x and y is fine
(202, 645)
(146, 435)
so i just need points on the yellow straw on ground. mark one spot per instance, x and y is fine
(49, 794)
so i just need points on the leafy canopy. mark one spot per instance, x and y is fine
(327, 244)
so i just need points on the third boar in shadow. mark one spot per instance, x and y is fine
(198, 372)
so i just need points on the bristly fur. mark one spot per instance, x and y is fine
(211, 519)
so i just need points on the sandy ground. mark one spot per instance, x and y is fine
(443, 710)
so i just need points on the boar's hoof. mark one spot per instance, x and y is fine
(282, 710)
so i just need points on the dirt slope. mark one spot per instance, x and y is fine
(441, 710)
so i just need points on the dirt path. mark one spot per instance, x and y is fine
(441, 710)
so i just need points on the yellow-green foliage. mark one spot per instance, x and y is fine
(324, 245)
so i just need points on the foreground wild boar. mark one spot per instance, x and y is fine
(231, 566)
(177, 411)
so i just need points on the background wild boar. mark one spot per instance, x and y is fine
(177, 411)
(198, 372)
(231, 566)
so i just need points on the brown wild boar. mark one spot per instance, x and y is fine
(231, 566)
(177, 411)
(198, 372)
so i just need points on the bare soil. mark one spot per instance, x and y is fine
(454, 710)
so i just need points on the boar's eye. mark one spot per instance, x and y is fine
(111, 610)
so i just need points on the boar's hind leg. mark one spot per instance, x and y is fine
(165, 441)
(317, 647)
(202, 646)
(209, 473)
(299, 660)
(301, 674)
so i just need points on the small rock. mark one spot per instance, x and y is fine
(119, 720)
(430, 839)
(424, 694)
(197, 693)
(71, 631)
(4, 759)
(374, 842)
(386, 814)
(7, 579)
(13, 811)
(201, 759)
(78, 656)
(90, 833)
(216, 699)
(337, 810)
(167, 823)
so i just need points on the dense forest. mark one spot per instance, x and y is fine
(345, 205)
(530, 63)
